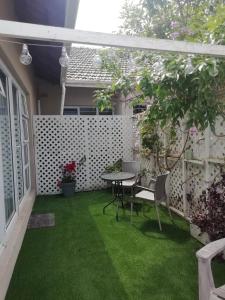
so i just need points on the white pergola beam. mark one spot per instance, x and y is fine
(29, 31)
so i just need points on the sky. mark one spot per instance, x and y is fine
(99, 15)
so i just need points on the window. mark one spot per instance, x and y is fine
(6, 149)
(139, 108)
(88, 110)
(85, 110)
(106, 112)
(14, 143)
(25, 142)
(18, 143)
(70, 111)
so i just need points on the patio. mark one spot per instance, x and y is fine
(88, 255)
(151, 96)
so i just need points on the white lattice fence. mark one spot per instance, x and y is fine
(191, 177)
(59, 139)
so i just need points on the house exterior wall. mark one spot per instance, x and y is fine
(50, 99)
(12, 237)
(79, 96)
(49, 96)
(83, 96)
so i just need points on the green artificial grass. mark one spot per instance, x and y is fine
(90, 256)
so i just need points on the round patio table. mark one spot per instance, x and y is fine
(116, 178)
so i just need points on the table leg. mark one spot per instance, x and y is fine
(111, 202)
(117, 197)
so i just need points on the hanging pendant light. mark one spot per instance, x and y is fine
(189, 68)
(25, 57)
(131, 66)
(158, 66)
(64, 58)
(97, 60)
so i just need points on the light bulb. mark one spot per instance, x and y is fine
(131, 65)
(64, 58)
(25, 57)
(189, 69)
(158, 66)
(97, 60)
(111, 54)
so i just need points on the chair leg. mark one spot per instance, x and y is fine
(113, 193)
(169, 211)
(131, 211)
(157, 212)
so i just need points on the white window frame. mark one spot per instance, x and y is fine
(12, 141)
(11, 81)
(72, 107)
(25, 116)
(79, 107)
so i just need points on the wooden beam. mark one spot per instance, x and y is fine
(25, 31)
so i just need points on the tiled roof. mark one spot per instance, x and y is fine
(82, 68)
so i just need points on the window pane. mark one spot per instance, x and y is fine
(139, 108)
(106, 112)
(6, 145)
(25, 130)
(88, 110)
(70, 111)
(27, 178)
(26, 156)
(24, 105)
(19, 165)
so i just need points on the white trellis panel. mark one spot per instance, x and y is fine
(60, 139)
(175, 187)
(188, 182)
(217, 144)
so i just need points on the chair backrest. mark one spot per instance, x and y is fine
(160, 187)
(131, 167)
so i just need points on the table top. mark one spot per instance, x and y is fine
(117, 176)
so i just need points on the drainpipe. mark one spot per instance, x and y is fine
(63, 98)
(39, 106)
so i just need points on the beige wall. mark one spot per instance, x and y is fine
(49, 96)
(50, 99)
(12, 240)
(79, 96)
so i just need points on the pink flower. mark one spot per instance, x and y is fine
(193, 131)
(174, 24)
(175, 35)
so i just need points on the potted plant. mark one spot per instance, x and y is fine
(115, 167)
(68, 180)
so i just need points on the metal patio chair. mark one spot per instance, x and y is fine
(155, 193)
(207, 289)
(131, 167)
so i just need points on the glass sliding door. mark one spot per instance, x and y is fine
(14, 143)
(6, 147)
